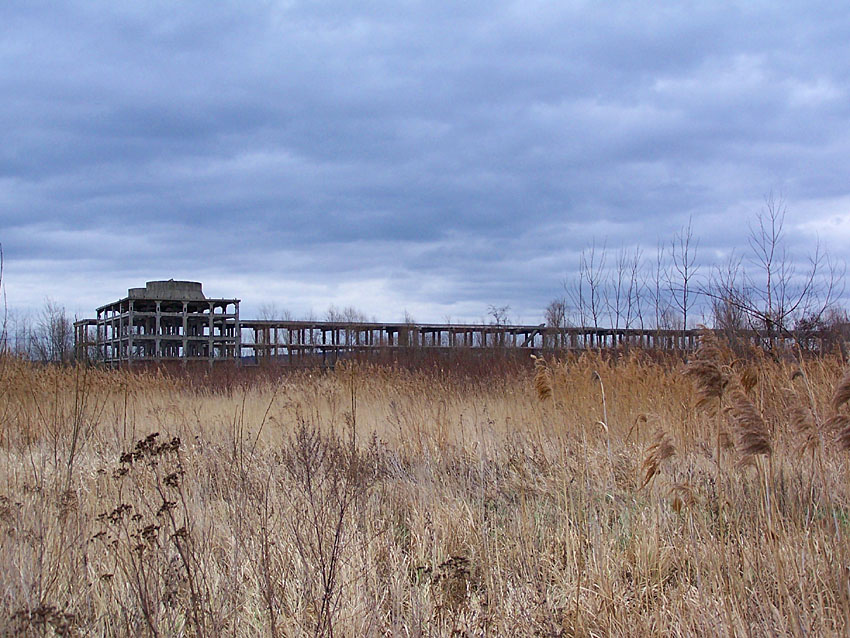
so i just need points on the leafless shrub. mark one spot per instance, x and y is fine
(330, 480)
(150, 537)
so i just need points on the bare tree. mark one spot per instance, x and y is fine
(616, 300)
(333, 314)
(634, 294)
(351, 317)
(775, 293)
(556, 313)
(772, 295)
(409, 334)
(349, 314)
(17, 333)
(53, 337)
(556, 317)
(355, 315)
(589, 294)
(658, 291)
(769, 257)
(779, 294)
(272, 312)
(625, 289)
(728, 299)
(683, 271)
(498, 315)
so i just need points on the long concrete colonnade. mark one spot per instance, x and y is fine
(294, 341)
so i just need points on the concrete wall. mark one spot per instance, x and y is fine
(170, 289)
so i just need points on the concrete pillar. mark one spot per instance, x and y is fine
(157, 341)
(185, 331)
(130, 332)
(100, 337)
(289, 342)
(211, 352)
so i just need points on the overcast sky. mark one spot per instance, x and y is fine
(423, 156)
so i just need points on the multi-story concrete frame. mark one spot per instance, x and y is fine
(168, 321)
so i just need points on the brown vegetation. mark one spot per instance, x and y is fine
(379, 501)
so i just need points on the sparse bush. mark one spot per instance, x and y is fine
(148, 536)
(329, 482)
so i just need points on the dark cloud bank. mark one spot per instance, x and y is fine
(398, 155)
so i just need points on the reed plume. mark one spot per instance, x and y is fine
(662, 448)
(842, 393)
(803, 424)
(839, 425)
(839, 422)
(844, 436)
(710, 346)
(682, 497)
(753, 436)
(749, 378)
(835, 423)
(542, 378)
(707, 370)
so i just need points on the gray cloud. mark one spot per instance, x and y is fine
(443, 157)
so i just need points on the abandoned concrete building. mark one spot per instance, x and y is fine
(173, 321)
(165, 320)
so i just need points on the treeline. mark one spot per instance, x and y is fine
(47, 337)
(763, 287)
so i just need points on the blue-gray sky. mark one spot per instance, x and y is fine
(423, 156)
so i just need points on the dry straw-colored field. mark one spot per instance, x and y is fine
(711, 500)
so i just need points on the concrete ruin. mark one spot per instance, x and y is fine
(164, 321)
(173, 321)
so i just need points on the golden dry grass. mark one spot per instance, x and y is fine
(371, 501)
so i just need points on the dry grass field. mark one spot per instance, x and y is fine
(615, 496)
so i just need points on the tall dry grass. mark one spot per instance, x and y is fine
(378, 501)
